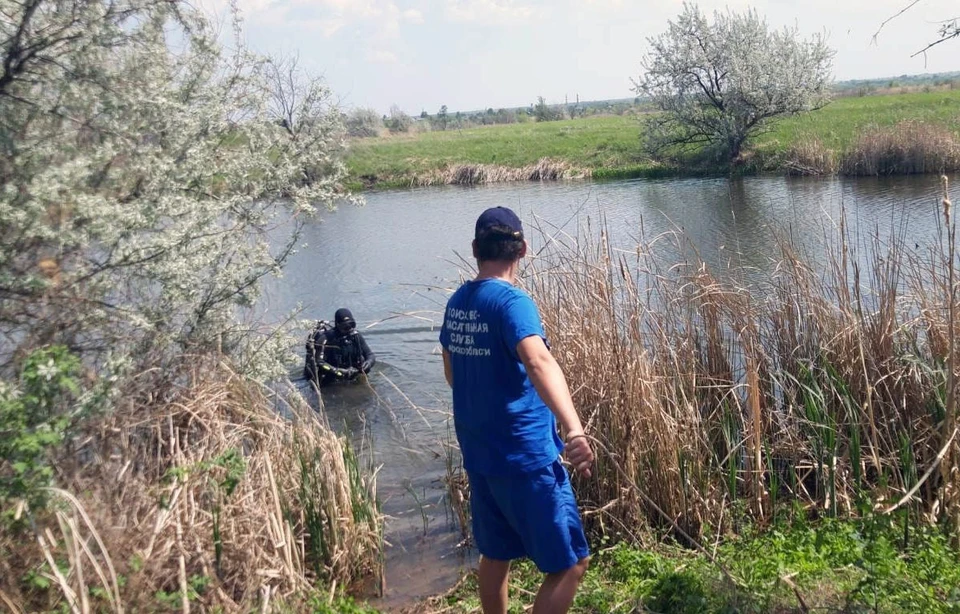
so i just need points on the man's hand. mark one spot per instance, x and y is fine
(366, 366)
(578, 453)
(351, 373)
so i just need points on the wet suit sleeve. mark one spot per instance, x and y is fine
(323, 365)
(369, 358)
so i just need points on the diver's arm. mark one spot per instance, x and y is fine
(324, 367)
(369, 358)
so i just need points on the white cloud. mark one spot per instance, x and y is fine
(490, 12)
(328, 27)
(413, 16)
(327, 17)
(613, 4)
(381, 56)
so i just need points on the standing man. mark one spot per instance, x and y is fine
(338, 353)
(508, 396)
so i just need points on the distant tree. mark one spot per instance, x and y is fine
(398, 120)
(423, 114)
(364, 123)
(442, 117)
(543, 112)
(505, 116)
(718, 84)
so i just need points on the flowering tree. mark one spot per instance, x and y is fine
(148, 179)
(717, 84)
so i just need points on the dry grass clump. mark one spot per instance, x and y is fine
(473, 174)
(810, 156)
(715, 401)
(908, 148)
(196, 492)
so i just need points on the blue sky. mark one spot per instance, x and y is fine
(472, 54)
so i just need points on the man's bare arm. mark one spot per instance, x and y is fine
(447, 369)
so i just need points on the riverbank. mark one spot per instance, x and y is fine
(869, 135)
(876, 564)
(200, 488)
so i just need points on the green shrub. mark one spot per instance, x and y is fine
(35, 416)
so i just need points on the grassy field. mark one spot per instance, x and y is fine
(837, 124)
(610, 146)
(591, 143)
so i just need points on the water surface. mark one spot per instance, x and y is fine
(394, 261)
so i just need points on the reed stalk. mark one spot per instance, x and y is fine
(949, 467)
(544, 169)
(720, 400)
(197, 494)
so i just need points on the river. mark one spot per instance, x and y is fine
(393, 261)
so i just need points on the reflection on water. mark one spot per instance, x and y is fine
(394, 261)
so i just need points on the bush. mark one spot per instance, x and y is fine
(363, 123)
(34, 418)
(398, 120)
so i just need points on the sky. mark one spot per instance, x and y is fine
(475, 54)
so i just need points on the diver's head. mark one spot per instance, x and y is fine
(344, 321)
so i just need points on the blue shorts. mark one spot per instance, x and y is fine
(532, 514)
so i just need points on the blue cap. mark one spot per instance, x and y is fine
(499, 216)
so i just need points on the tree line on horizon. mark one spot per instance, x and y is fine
(367, 122)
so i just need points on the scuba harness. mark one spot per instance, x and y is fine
(350, 353)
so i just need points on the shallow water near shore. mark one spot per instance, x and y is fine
(394, 261)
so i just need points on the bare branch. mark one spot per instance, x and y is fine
(889, 19)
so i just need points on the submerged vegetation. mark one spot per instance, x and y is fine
(609, 147)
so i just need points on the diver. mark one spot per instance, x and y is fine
(337, 353)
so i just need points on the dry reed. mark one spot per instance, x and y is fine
(908, 148)
(197, 493)
(474, 174)
(722, 401)
(809, 156)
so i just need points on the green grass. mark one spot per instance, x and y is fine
(850, 566)
(591, 143)
(610, 146)
(837, 124)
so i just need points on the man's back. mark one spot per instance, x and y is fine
(502, 424)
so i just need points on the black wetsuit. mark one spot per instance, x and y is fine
(332, 356)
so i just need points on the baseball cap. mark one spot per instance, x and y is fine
(499, 216)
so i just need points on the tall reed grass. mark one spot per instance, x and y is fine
(716, 402)
(908, 148)
(472, 174)
(196, 493)
(810, 156)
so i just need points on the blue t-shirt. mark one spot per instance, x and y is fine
(502, 424)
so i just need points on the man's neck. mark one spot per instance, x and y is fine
(497, 269)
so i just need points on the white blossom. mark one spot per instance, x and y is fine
(719, 83)
(147, 182)
(48, 370)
